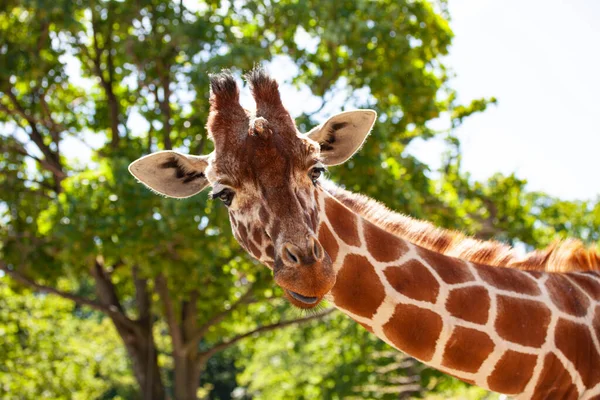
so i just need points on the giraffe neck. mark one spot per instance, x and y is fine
(532, 334)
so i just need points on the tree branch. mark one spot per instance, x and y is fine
(217, 318)
(50, 123)
(109, 310)
(107, 84)
(51, 161)
(163, 292)
(266, 328)
(189, 313)
(104, 286)
(165, 110)
(142, 297)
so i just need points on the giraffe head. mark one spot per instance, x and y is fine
(267, 174)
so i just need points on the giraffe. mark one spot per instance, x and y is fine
(526, 326)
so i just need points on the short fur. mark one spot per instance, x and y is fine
(570, 255)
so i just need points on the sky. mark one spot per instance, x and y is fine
(541, 60)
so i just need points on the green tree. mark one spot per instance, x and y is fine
(49, 351)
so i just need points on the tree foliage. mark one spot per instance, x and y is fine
(51, 350)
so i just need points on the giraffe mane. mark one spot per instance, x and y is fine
(566, 256)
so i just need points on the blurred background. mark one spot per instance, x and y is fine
(110, 292)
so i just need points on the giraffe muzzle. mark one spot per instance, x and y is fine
(304, 273)
(311, 252)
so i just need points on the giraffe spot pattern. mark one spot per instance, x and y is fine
(512, 372)
(255, 251)
(467, 349)
(470, 304)
(345, 227)
(243, 234)
(414, 330)
(589, 284)
(257, 235)
(566, 296)
(328, 242)
(357, 279)
(270, 251)
(509, 279)
(450, 269)
(413, 280)
(575, 342)
(383, 246)
(554, 382)
(522, 321)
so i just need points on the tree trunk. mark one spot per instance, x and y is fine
(137, 335)
(187, 377)
(187, 372)
(144, 359)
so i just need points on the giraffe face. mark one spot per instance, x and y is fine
(269, 185)
(267, 174)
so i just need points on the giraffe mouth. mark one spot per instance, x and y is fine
(303, 299)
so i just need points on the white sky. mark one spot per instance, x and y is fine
(541, 59)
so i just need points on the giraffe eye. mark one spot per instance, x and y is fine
(226, 196)
(315, 173)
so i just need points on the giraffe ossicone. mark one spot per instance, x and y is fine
(524, 326)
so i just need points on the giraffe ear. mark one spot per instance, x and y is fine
(171, 173)
(342, 135)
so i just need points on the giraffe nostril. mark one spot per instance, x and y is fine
(291, 255)
(317, 250)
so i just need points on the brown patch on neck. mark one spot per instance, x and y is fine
(414, 330)
(570, 255)
(522, 321)
(566, 296)
(512, 373)
(590, 284)
(450, 269)
(509, 279)
(413, 280)
(575, 342)
(470, 304)
(328, 242)
(358, 288)
(342, 221)
(554, 381)
(467, 349)
(382, 245)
